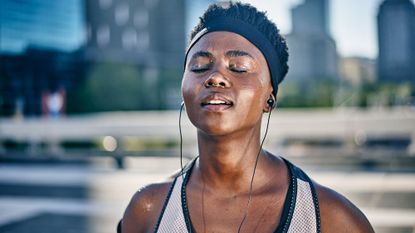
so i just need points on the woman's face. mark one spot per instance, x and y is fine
(226, 84)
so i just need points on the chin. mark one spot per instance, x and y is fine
(215, 128)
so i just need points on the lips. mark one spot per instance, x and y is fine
(216, 103)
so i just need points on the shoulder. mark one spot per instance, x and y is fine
(338, 214)
(145, 207)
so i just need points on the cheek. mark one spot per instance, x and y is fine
(189, 86)
(256, 92)
(251, 100)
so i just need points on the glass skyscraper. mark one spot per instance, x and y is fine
(313, 54)
(396, 34)
(56, 25)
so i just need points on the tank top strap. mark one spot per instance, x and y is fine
(304, 215)
(172, 219)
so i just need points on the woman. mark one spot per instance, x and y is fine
(234, 63)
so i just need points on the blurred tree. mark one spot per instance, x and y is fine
(126, 87)
(319, 93)
(326, 93)
(386, 94)
(109, 87)
(170, 88)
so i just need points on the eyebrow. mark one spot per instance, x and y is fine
(202, 54)
(238, 53)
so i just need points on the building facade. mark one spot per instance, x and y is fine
(357, 71)
(149, 34)
(144, 32)
(396, 37)
(312, 50)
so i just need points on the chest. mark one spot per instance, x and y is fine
(194, 212)
(215, 212)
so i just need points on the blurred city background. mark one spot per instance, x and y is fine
(90, 94)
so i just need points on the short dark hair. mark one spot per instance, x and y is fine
(250, 15)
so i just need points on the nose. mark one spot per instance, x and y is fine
(216, 79)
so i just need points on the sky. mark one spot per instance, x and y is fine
(352, 23)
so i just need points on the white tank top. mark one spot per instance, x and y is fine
(300, 214)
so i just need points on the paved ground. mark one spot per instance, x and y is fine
(91, 198)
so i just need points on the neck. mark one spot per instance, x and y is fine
(228, 161)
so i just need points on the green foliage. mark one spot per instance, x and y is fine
(123, 87)
(108, 86)
(170, 88)
(376, 94)
(387, 94)
(305, 95)
(325, 93)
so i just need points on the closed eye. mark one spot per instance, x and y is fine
(200, 69)
(237, 69)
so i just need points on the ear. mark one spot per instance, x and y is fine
(269, 104)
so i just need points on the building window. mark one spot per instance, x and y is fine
(143, 41)
(129, 39)
(103, 35)
(105, 4)
(141, 18)
(122, 14)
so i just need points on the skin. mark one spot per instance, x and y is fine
(226, 66)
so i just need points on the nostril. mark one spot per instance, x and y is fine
(222, 84)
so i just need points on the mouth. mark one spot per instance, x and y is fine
(216, 103)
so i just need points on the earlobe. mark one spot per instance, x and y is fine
(270, 104)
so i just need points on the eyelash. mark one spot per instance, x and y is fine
(237, 70)
(201, 70)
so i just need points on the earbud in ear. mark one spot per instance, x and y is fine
(271, 102)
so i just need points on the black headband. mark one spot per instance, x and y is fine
(252, 34)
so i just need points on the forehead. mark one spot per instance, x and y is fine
(218, 43)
